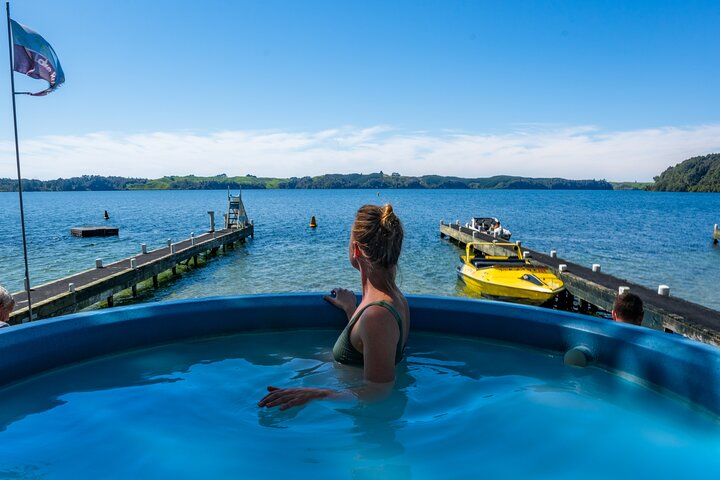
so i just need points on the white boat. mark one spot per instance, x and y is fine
(489, 226)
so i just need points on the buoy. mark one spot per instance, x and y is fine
(313, 223)
(107, 215)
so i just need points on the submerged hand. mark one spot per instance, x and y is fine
(344, 300)
(292, 397)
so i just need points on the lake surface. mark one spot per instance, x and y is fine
(645, 237)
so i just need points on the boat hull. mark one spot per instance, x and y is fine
(507, 283)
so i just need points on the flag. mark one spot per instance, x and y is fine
(35, 58)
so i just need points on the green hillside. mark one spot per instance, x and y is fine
(697, 174)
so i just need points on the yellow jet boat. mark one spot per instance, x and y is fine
(502, 273)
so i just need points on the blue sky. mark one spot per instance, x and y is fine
(580, 89)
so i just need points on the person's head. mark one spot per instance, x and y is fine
(376, 238)
(628, 308)
(6, 304)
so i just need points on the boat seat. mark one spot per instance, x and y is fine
(482, 262)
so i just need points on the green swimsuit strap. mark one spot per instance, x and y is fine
(389, 307)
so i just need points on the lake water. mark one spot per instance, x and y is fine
(648, 238)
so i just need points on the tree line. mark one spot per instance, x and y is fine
(378, 180)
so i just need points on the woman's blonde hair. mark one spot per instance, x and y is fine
(379, 233)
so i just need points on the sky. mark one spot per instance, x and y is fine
(617, 90)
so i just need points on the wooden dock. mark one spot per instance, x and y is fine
(600, 289)
(99, 284)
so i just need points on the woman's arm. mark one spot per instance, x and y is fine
(380, 336)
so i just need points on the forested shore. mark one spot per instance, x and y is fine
(378, 180)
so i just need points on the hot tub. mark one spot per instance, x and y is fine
(170, 390)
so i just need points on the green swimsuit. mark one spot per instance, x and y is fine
(344, 352)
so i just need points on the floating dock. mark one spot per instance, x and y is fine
(83, 289)
(590, 285)
(94, 231)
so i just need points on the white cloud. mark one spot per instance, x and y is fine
(530, 150)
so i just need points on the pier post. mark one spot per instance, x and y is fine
(664, 290)
(134, 290)
(553, 253)
(174, 270)
(169, 242)
(212, 220)
(71, 287)
(595, 267)
(569, 301)
(195, 260)
(155, 281)
(98, 263)
(192, 238)
(584, 306)
(133, 263)
(143, 248)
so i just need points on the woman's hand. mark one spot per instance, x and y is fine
(344, 300)
(292, 397)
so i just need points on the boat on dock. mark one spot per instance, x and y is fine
(499, 271)
(489, 226)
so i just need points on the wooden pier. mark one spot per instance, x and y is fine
(99, 284)
(662, 312)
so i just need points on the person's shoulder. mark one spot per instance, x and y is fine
(375, 319)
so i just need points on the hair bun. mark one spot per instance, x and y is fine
(387, 216)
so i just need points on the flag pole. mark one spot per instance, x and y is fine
(17, 160)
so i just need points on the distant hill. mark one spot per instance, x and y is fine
(697, 174)
(353, 180)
